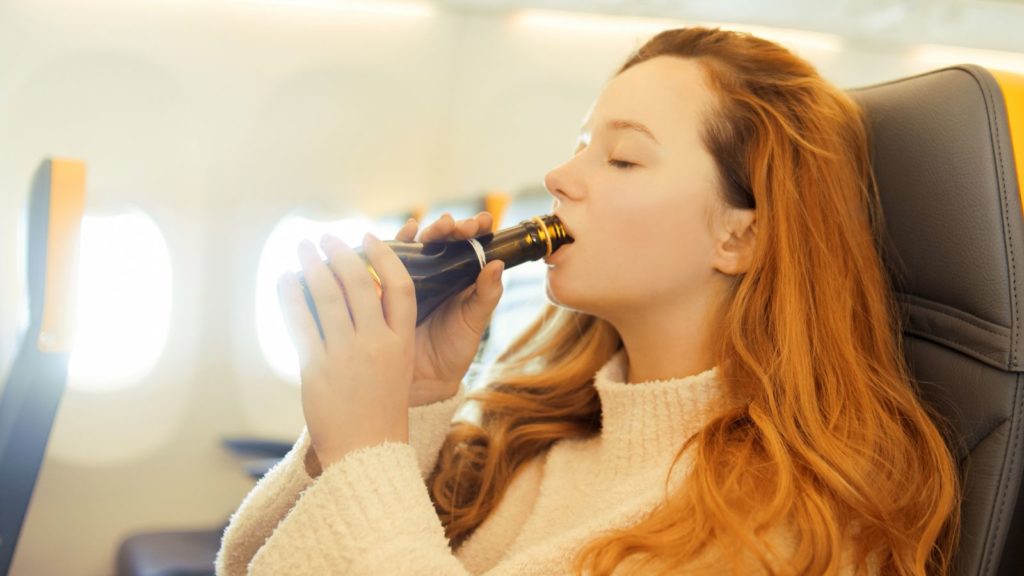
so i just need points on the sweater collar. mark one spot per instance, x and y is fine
(644, 424)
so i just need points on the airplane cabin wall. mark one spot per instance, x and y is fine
(217, 119)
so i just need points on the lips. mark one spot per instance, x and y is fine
(557, 254)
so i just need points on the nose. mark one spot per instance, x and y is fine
(560, 184)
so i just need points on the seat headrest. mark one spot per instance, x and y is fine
(943, 156)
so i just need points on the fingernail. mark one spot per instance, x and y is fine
(499, 269)
(369, 239)
(411, 221)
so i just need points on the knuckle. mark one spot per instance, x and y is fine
(379, 354)
(361, 283)
(334, 299)
(354, 273)
(405, 286)
(364, 281)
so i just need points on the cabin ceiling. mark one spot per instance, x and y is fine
(990, 24)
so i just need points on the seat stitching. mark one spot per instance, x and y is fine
(1008, 464)
(932, 306)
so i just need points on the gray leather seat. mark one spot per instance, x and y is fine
(950, 193)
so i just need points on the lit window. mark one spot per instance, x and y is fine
(280, 256)
(123, 311)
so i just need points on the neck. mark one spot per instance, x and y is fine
(667, 342)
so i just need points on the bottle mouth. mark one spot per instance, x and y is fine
(552, 231)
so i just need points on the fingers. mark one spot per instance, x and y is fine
(327, 294)
(478, 306)
(298, 321)
(439, 230)
(447, 228)
(486, 220)
(399, 297)
(360, 289)
(407, 233)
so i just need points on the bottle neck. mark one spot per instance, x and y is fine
(531, 240)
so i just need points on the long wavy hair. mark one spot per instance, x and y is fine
(833, 435)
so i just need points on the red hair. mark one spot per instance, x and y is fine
(833, 447)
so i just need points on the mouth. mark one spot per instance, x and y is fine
(558, 254)
(568, 229)
(569, 241)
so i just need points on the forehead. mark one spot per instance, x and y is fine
(667, 94)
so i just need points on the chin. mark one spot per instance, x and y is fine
(564, 296)
(555, 290)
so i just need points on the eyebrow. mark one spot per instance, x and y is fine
(629, 125)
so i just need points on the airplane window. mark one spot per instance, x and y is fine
(123, 311)
(278, 257)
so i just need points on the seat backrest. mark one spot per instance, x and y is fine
(949, 181)
(31, 394)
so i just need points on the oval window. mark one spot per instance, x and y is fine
(123, 312)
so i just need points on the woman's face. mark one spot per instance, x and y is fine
(640, 196)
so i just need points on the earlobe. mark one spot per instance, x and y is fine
(735, 250)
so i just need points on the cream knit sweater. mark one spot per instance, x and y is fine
(371, 514)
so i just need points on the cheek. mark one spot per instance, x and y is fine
(642, 250)
(660, 231)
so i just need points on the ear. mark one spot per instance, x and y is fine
(734, 249)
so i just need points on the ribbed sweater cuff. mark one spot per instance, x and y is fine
(381, 494)
(255, 519)
(291, 476)
(373, 497)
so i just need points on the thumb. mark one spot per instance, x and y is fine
(484, 299)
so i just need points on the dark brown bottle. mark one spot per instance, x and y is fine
(441, 270)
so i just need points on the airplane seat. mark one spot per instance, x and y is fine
(948, 153)
(32, 392)
(176, 553)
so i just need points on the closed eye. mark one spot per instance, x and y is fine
(621, 164)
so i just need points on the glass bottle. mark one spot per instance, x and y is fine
(440, 270)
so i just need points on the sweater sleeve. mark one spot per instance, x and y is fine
(276, 493)
(367, 514)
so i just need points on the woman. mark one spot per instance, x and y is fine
(716, 388)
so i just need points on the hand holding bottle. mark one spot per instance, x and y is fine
(398, 323)
(447, 341)
(356, 378)
(455, 269)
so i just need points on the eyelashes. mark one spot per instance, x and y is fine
(617, 164)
